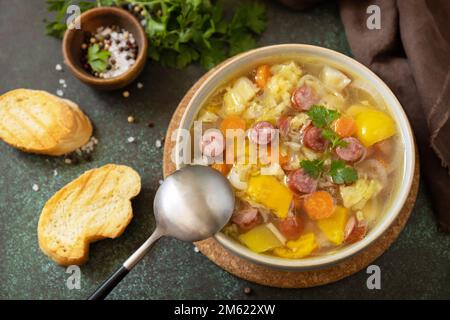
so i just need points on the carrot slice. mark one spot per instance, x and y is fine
(319, 205)
(345, 127)
(232, 123)
(284, 160)
(262, 75)
(222, 168)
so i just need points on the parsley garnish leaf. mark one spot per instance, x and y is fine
(334, 138)
(322, 117)
(98, 59)
(313, 168)
(341, 173)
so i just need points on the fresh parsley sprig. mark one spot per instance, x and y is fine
(98, 59)
(339, 172)
(342, 173)
(181, 32)
(322, 118)
(313, 167)
(334, 138)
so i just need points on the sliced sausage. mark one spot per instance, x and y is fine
(246, 218)
(291, 227)
(300, 181)
(352, 152)
(262, 132)
(303, 98)
(355, 230)
(313, 139)
(349, 226)
(297, 204)
(212, 143)
(283, 125)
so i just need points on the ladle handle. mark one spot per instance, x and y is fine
(110, 283)
(106, 287)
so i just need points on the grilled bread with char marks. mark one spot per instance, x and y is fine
(38, 122)
(94, 206)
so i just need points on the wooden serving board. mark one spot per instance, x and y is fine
(279, 278)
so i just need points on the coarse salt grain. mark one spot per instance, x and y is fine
(58, 67)
(140, 85)
(59, 92)
(89, 147)
(196, 249)
(35, 187)
(67, 161)
(62, 81)
(131, 139)
(161, 182)
(55, 173)
(158, 143)
(123, 59)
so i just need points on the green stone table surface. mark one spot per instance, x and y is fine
(416, 266)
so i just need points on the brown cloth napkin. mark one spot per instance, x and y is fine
(411, 53)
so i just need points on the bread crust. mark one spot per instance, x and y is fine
(38, 122)
(92, 207)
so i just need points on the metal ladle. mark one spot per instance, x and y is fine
(192, 204)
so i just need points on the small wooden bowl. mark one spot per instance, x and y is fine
(89, 22)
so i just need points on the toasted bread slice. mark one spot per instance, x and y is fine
(38, 122)
(94, 206)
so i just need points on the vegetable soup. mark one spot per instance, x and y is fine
(339, 156)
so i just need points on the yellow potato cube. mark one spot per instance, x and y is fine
(260, 239)
(333, 227)
(372, 125)
(299, 248)
(270, 192)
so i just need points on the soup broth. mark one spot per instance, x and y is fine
(338, 156)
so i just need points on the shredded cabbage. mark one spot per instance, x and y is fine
(334, 78)
(298, 121)
(237, 97)
(208, 116)
(284, 79)
(332, 101)
(356, 195)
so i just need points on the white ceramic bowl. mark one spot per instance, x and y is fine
(235, 66)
